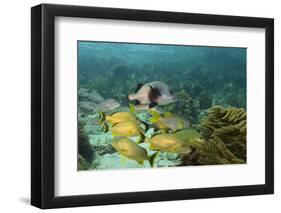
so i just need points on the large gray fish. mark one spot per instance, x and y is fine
(153, 94)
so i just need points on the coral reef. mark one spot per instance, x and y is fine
(165, 159)
(82, 163)
(228, 125)
(95, 96)
(101, 143)
(87, 107)
(82, 93)
(85, 149)
(215, 152)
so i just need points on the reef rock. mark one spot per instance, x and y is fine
(165, 159)
(85, 149)
(95, 96)
(83, 93)
(86, 106)
(102, 143)
(82, 163)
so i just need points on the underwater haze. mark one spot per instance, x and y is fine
(158, 105)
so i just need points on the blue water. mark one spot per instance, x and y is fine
(111, 67)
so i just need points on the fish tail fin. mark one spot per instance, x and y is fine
(141, 162)
(102, 117)
(155, 116)
(104, 127)
(101, 121)
(152, 159)
(146, 140)
(142, 138)
(131, 97)
(146, 126)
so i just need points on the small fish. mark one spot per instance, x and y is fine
(128, 129)
(153, 94)
(191, 137)
(131, 150)
(169, 121)
(168, 143)
(107, 105)
(118, 117)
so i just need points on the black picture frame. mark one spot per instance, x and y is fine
(43, 102)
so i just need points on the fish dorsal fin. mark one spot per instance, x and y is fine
(138, 87)
(141, 162)
(187, 128)
(156, 133)
(114, 125)
(178, 130)
(152, 159)
(167, 114)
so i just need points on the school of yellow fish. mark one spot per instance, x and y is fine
(173, 134)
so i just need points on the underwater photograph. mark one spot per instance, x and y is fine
(160, 105)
